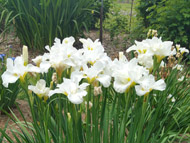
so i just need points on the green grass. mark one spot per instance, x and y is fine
(123, 6)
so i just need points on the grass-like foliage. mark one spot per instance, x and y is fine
(40, 21)
(6, 17)
(82, 96)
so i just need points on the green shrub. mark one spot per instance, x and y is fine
(96, 13)
(116, 22)
(171, 19)
(39, 22)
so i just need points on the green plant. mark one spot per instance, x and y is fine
(171, 19)
(39, 22)
(97, 8)
(6, 17)
(125, 102)
(116, 22)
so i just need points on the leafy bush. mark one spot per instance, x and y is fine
(39, 22)
(116, 22)
(171, 19)
(96, 12)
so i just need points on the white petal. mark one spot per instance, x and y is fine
(139, 90)
(44, 66)
(9, 63)
(52, 92)
(76, 76)
(84, 85)
(33, 88)
(8, 77)
(160, 85)
(47, 48)
(32, 68)
(41, 84)
(120, 87)
(105, 80)
(77, 98)
(134, 47)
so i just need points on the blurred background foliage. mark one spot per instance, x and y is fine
(37, 23)
(6, 17)
(170, 17)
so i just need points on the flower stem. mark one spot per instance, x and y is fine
(88, 122)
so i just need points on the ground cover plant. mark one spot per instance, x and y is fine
(83, 96)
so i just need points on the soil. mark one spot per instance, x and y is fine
(23, 105)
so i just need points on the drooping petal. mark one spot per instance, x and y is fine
(104, 79)
(32, 68)
(160, 85)
(8, 77)
(77, 98)
(83, 86)
(139, 90)
(44, 66)
(120, 87)
(56, 91)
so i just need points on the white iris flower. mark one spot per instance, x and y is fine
(148, 83)
(127, 74)
(72, 89)
(16, 70)
(97, 72)
(40, 89)
(63, 55)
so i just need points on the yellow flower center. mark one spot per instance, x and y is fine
(92, 63)
(182, 53)
(132, 84)
(22, 77)
(159, 58)
(40, 96)
(15, 74)
(65, 93)
(128, 79)
(142, 51)
(90, 48)
(90, 80)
